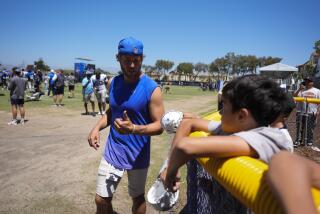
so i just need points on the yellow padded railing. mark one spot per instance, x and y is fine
(244, 178)
(306, 99)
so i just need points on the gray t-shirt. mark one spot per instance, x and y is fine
(71, 80)
(266, 141)
(312, 107)
(17, 87)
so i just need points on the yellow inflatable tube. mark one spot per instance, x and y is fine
(306, 99)
(244, 178)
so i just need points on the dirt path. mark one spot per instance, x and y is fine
(47, 166)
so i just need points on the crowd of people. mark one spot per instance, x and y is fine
(253, 108)
(54, 83)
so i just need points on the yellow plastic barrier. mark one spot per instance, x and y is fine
(306, 99)
(244, 178)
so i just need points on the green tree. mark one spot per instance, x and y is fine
(264, 61)
(40, 64)
(219, 65)
(241, 64)
(252, 63)
(185, 68)
(148, 68)
(200, 67)
(163, 66)
(231, 62)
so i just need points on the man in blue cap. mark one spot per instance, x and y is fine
(134, 114)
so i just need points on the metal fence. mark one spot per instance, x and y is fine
(304, 127)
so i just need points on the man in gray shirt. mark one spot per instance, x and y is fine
(17, 87)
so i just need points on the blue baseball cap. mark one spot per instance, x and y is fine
(130, 46)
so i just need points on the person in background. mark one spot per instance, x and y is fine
(17, 87)
(58, 88)
(88, 93)
(37, 81)
(99, 84)
(312, 110)
(30, 77)
(46, 83)
(3, 79)
(51, 79)
(71, 83)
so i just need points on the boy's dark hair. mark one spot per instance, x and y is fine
(261, 96)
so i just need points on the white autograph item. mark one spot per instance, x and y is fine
(159, 197)
(171, 120)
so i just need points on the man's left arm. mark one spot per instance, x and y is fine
(156, 109)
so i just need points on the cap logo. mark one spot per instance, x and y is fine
(135, 50)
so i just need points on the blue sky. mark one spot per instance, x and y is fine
(181, 31)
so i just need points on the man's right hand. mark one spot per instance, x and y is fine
(94, 138)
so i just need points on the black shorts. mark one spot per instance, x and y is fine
(58, 91)
(19, 102)
(71, 87)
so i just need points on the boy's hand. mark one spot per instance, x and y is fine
(163, 175)
(172, 182)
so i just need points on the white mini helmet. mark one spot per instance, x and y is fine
(161, 199)
(171, 121)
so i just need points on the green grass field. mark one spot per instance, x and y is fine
(74, 103)
(176, 93)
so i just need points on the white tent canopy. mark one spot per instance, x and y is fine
(278, 70)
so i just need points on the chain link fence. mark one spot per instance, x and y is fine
(305, 150)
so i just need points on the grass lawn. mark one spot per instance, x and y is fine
(176, 93)
(183, 92)
(74, 103)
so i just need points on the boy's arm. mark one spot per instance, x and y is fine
(212, 146)
(188, 126)
(291, 177)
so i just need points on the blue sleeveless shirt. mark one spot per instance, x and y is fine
(129, 151)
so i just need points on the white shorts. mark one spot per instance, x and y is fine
(88, 97)
(101, 96)
(109, 177)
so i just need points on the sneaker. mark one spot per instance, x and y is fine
(309, 144)
(314, 148)
(13, 122)
(99, 113)
(94, 114)
(296, 144)
(22, 121)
